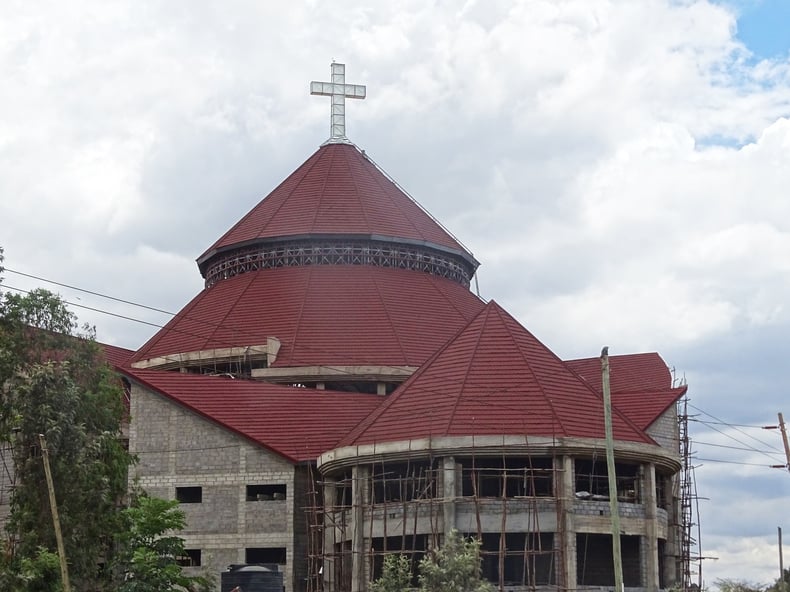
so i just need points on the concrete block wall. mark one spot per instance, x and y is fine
(178, 448)
(665, 429)
(6, 481)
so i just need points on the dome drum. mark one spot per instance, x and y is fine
(331, 250)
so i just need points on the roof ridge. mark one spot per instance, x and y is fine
(298, 324)
(586, 385)
(323, 191)
(403, 190)
(366, 422)
(461, 389)
(389, 318)
(307, 169)
(518, 347)
(405, 214)
(221, 324)
(358, 193)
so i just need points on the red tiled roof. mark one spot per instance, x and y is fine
(116, 356)
(339, 315)
(645, 407)
(296, 423)
(641, 384)
(631, 372)
(494, 377)
(337, 191)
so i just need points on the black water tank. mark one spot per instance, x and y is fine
(252, 578)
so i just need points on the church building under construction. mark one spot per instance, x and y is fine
(337, 393)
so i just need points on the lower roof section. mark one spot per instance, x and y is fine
(321, 315)
(296, 423)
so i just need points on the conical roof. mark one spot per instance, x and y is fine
(338, 264)
(493, 377)
(338, 191)
(343, 315)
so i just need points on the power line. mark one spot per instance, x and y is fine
(750, 448)
(697, 442)
(737, 429)
(91, 308)
(734, 462)
(91, 292)
(214, 325)
(724, 423)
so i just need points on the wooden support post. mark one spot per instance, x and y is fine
(64, 570)
(614, 509)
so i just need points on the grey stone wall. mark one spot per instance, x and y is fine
(6, 481)
(665, 429)
(302, 501)
(178, 448)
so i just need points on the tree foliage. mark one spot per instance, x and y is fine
(53, 381)
(148, 556)
(781, 584)
(455, 567)
(737, 585)
(395, 575)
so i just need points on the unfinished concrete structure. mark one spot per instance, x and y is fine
(337, 393)
(499, 439)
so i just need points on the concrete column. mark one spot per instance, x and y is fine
(651, 527)
(565, 497)
(672, 570)
(448, 488)
(331, 515)
(359, 495)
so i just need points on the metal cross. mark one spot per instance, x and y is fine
(338, 90)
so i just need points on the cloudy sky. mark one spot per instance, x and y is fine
(620, 168)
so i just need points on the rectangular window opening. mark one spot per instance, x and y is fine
(265, 555)
(592, 481)
(527, 559)
(189, 495)
(594, 564)
(511, 477)
(266, 493)
(402, 482)
(190, 558)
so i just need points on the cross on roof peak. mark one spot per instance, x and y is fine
(338, 90)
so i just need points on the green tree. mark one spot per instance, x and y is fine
(40, 573)
(735, 585)
(53, 381)
(148, 556)
(781, 584)
(395, 575)
(455, 567)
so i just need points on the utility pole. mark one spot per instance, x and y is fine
(64, 570)
(784, 439)
(614, 508)
(782, 585)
